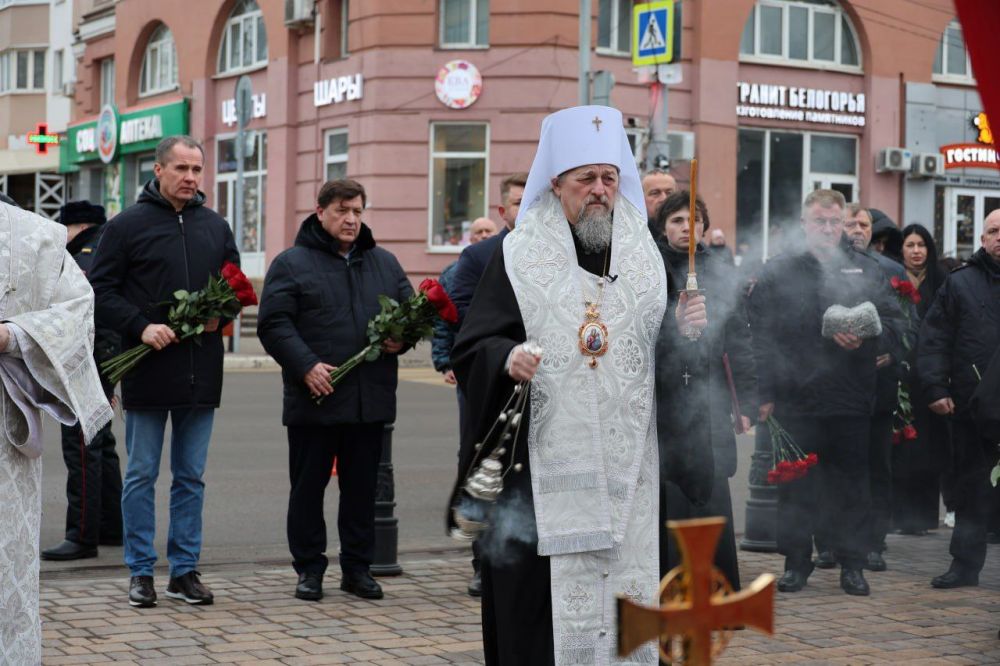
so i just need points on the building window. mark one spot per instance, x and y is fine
(244, 41)
(107, 81)
(459, 155)
(254, 186)
(799, 33)
(159, 65)
(614, 26)
(58, 77)
(345, 13)
(465, 23)
(22, 71)
(335, 154)
(951, 62)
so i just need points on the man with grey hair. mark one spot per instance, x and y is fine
(168, 241)
(820, 385)
(657, 185)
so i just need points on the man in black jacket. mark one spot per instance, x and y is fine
(727, 339)
(822, 389)
(958, 339)
(94, 477)
(169, 240)
(318, 298)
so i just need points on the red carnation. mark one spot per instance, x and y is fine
(894, 281)
(239, 283)
(812, 459)
(909, 433)
(438, 297)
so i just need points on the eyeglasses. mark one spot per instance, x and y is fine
(828, 222)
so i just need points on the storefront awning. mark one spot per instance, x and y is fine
(28, 161)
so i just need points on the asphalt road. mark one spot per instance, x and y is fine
(247, 475)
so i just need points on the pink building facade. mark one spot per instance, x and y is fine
(349, 89)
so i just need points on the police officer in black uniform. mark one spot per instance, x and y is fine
(94, 480)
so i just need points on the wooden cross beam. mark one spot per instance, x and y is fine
(692, 609)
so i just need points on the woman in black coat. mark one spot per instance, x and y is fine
(917, 464)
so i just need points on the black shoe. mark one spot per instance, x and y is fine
(826, 560)
(992, 538)
(310, 587)
(476, 585)
(69, 550)
(875, 562)
(955, 578)
(190, 589)
(853, 582)
(793, 580)
(361, 584)
(141, 592)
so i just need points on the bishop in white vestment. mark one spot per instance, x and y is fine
(46, 364)
(578, 520)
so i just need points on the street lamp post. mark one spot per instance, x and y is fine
(386, 524)
(760, 533)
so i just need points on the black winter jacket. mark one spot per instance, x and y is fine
(798, 369)
(315, 307)
(961, 331)
(107, 342)
(148, 252)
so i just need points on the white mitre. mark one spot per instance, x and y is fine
(577, 136)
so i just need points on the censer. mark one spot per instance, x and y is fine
(484, 479)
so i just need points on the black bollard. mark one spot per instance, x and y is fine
(386, 524)
(760, 533)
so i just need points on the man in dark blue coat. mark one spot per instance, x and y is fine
(959, 338)
(94, 477)
(318, 298)
(168, 241)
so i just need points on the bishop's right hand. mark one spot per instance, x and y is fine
(523, 365)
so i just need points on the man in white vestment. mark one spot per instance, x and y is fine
(45, 365)
(577, 522)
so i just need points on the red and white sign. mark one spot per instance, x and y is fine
(107, 134)
(969, 155)
(458, 84)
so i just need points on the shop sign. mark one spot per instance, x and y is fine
(458, 84)
(338, 89)
(969, 155)
(107, 134)
(229, 108)
(145, 128)
(809, 105)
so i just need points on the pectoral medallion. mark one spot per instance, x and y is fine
(593, 335)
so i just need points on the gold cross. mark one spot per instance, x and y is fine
(597, 122)
(691, 609)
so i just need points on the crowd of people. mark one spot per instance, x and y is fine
(637, 387)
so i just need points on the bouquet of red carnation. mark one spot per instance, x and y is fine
(902, 416)
(905, 291)
(408, 322)
(790, 463)
(222, 298)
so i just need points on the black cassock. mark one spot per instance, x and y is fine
(516, 601)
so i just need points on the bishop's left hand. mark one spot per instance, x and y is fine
(691, 313)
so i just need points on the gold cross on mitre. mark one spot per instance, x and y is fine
(597, 122)
(697, 600)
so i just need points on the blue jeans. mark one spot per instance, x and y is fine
(191, 432)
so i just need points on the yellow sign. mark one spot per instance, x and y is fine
(983, 125)
(653, 33)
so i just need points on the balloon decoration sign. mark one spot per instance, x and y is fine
(458, 84)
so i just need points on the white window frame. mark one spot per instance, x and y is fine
(162, 38)
(248, 20)
(943, 76)
(484, 155)
(253, 262)
(475, 42)
(8, 71)
(338, 158)
(613, 47)
(840, 19)
(107, 81)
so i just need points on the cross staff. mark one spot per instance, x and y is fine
(699, 612)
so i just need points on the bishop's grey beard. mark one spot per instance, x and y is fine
(593, 228)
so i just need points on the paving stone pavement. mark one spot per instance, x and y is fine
(426, 618)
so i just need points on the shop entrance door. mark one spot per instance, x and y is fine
(963, 224)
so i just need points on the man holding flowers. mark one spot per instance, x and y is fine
(324, 309)
(167, 243)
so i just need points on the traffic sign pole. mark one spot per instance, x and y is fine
(653, 45)
(584, 81)
(244, 107)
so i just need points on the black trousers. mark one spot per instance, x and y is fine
(834, 499)
(311, 450)
(674, 505)
(880, 480)
(93, 487)
(973, 496)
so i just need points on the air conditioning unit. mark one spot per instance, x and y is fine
(68, 89)
(893, 159)
(681, 145)
(298, 13)
(927, 165)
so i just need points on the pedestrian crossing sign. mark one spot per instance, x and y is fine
(653, 33)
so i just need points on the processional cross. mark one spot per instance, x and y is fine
(696, 600)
